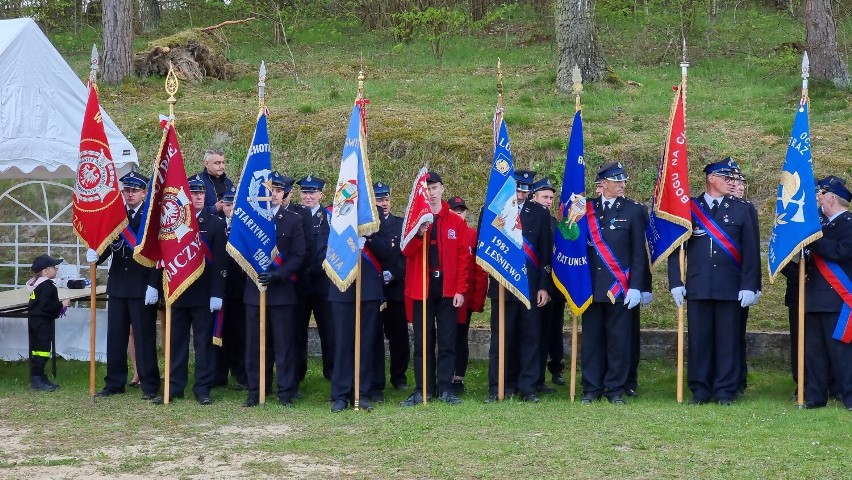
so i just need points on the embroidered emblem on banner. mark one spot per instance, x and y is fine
(95, 174)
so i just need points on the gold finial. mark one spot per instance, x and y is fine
(361, 83)
(172, 85)
(261, 84)
(499, 83)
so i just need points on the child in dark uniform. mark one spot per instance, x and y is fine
(43, 310)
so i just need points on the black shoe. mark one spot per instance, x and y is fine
(449, 397)
(589, 398)
(376, 397)
(725, 402)
(557, 379)
(251, 402)
(286, 403)
(616, 400)
(239, 387)
(148, 396)
(813, 405)
(204, 399)
(458, 387)
(134, 384)
(630, 392)
(491, 399)
(160, 400)
(108, 393)
(530, 397)
(697, 401)
(400, 386)
(544, 389)
(414, 399)
(38, 385)
(297, 395)
(338, 406)
(46, 379)
(364, 404)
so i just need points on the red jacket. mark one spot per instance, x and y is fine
(477, 282)
(453, 250)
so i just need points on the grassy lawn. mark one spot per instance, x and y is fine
(65, 435)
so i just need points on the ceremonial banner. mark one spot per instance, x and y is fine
(353, 212)
(500, 248)
(170, 237)
(797, 221)
(670, 220)
(99, 212)
(571, 272)
(418, 211)
(252, 238)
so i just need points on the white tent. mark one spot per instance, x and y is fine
(41, 109)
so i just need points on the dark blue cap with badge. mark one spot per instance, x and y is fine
(831, 178)
(613, 171)
(381, 190)
(310, 183)
(134, 180)
(543, 184)
(726, 167)
(525, 179)
(281, 181)
(229, 195)
(837, 186)
(433, 177)
(196, 184)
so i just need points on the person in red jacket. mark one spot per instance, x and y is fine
(447, 259)
(474, 298)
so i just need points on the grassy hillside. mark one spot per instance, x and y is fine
(743, 87)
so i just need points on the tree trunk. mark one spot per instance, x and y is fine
(118, 40)
(577, 43)
(821, 38)
(478, 9)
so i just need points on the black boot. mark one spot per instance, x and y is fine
(47, 381)
(37, 384)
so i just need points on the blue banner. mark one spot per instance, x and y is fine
(500, 249)
(252, 238)
(797, 222)
(571, 272)
(353, 211)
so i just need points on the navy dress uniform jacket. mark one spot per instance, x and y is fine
(623, 229)
(290, 240)
(834, 246)
(127, 277)
(211, 283)
(712, 274)
(385, 245)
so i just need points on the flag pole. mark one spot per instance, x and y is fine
(261, 397)
(501, 297)
(423, 321)
(93, 266)
(357, 374)
(800, 388)
(172, 85)
(577, 78)
(684, 66)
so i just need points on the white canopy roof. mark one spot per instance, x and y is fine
(42, 102)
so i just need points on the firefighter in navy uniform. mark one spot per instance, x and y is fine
(196, 307)
(133, 293)
(385, 245)
(828, 270)
(231, 356)
(722, 277)
(632, 385)
(313, 291)
(280, 302)
(343, 314)
(618, 262)
(523, 326)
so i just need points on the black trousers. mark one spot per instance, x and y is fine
(743, 361)
(231, 356)
(394, 327)
(714, 348)
(463, 345)
(793, 319)
(281, 325)
(343, 375)
(40, 332)
(605, 351)
(200, 321)
(552, 322)
(523, 337)
(121, 314)
(824, 357)
(317, 305)
(440, 321)
(635, 349)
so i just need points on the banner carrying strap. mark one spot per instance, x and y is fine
(715, 231)
(605, 253)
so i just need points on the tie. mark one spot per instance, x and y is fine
(606, 207)
(130, 214)
(715, 207)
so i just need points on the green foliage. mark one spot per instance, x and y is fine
(432, 24)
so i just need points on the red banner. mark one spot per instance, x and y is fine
(418, 211)
(99, 212)
(672, 192)
(170, 237)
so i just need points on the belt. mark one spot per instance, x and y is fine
(435, 273)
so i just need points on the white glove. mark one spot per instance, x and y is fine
(91, 256)
(388, 276)
(647, 297)
(215, 304)
(151, 296)
(361, 242)
(746, 298)
(632, 298)
(678, 293)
